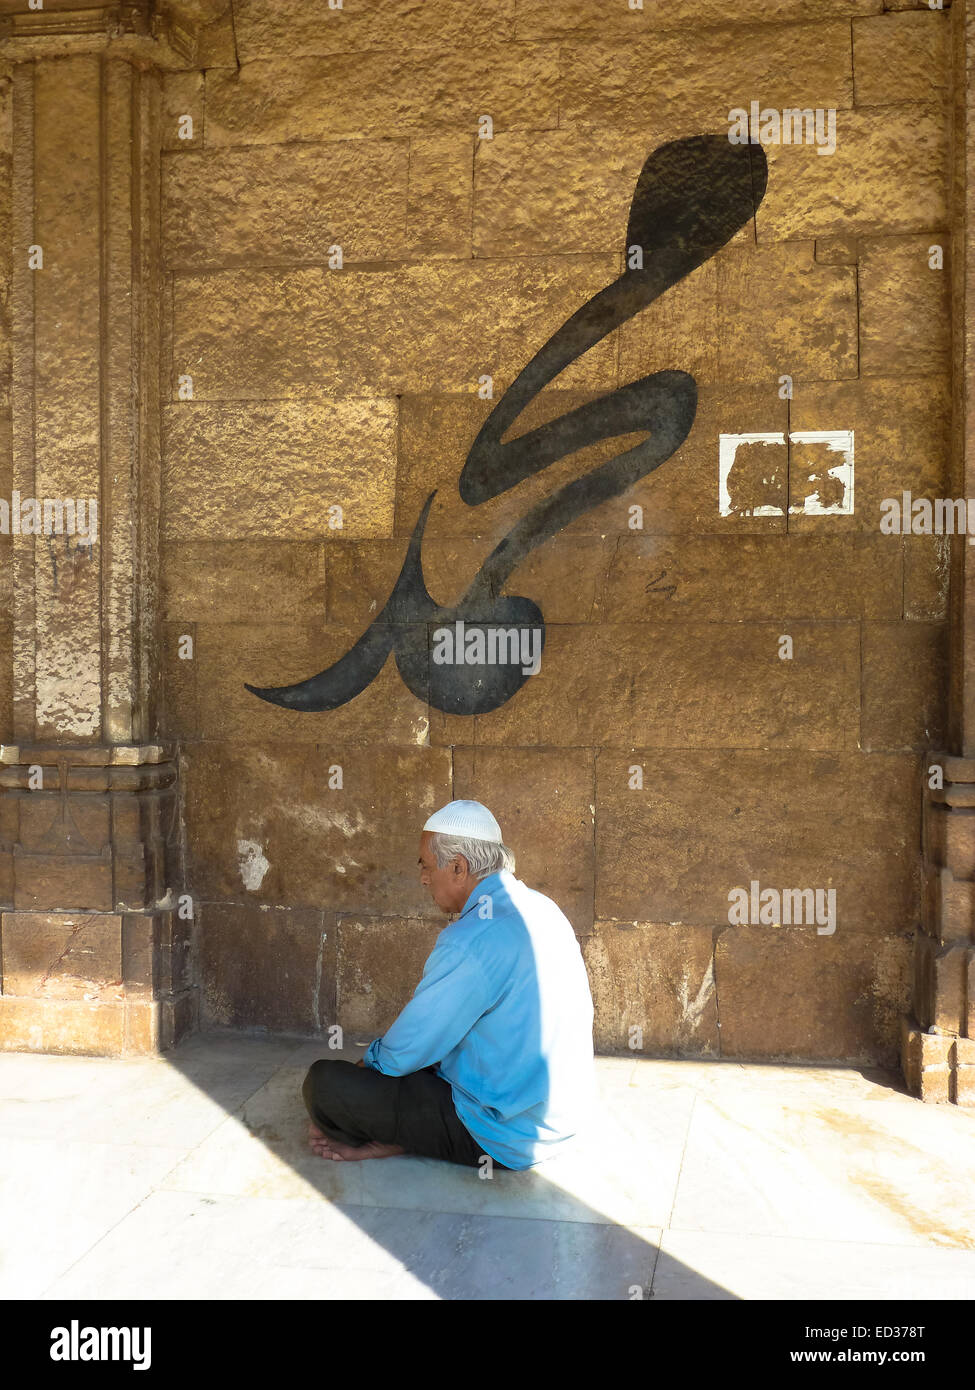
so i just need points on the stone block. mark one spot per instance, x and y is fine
(652, 578)
(43, 827)
(291, 26)
(62, 882)
(657, 978)
(440, 196)
(900, 429)
(274, 469)
(786, 819)
(564, 191)
(264, 825)
(751, 315)
(904, 308)
(379, 965)
(436, 325)
(285, 204)
(704, 74)
(361, 576)
(941, 983)
(837, 250)
(384, 92)
(837, 997)
(259, 967)
(668, 685)
(182, 95)
(955, 898)
(540, 19)
(62, 956)
(958, 843)
(178, 679)
(543, 799)
(230, 581)
(904, 679)
(888, 173)
(926, 570)
(901, 57)
(65, 1026)
(276, 655)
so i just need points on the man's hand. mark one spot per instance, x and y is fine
(361, 1062)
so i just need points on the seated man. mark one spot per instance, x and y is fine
(493, 1054)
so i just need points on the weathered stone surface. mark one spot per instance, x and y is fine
(888, 173)
(265, 825)
(562, 191)
(680, 496)
(750, 316)
(66, 386)
(285, 205)
(436, 326)
(837, 250)
(695, 685)
(904, 308)
(926, 562)
(361, 576)
(440, 196)
(543, 799)
(744, 578)
(276, 468)
(389, 92)
(940, 995)
(540, 19)
(901, 57)
(704, 75)
(900, 429)
(230, 581)
(785, 819)
(636, 577)
(276, 654)
(182, 95)
(656, 978)
(66, 1026)
(835, 997)
(379, 964)
(904, 684)
(56, 956)
(178, 706)
(260, 967)
(287, 27)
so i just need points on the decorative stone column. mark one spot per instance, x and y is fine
(93, 947)
(938, 1041)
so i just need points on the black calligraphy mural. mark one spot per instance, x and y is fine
(691, 197)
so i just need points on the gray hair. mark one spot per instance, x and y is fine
(483, 857)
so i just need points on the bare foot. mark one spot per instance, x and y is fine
(331, 1148)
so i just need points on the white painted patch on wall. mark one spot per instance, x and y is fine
(253, 864)
(835, 442)
(727, 449)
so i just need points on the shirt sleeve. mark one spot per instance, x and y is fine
(448, 1001)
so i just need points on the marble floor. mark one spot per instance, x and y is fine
(188, 1177)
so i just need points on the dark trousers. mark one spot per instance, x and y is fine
(356, 1104)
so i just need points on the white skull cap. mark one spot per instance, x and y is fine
(467, 818)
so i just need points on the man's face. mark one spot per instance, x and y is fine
(450, 887)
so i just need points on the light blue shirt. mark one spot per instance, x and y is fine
(504, 1007)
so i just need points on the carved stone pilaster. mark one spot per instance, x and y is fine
(94, 942)
(938, 1042)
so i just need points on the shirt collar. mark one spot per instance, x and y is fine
(487, 886)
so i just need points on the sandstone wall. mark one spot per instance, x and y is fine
(314, 386)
